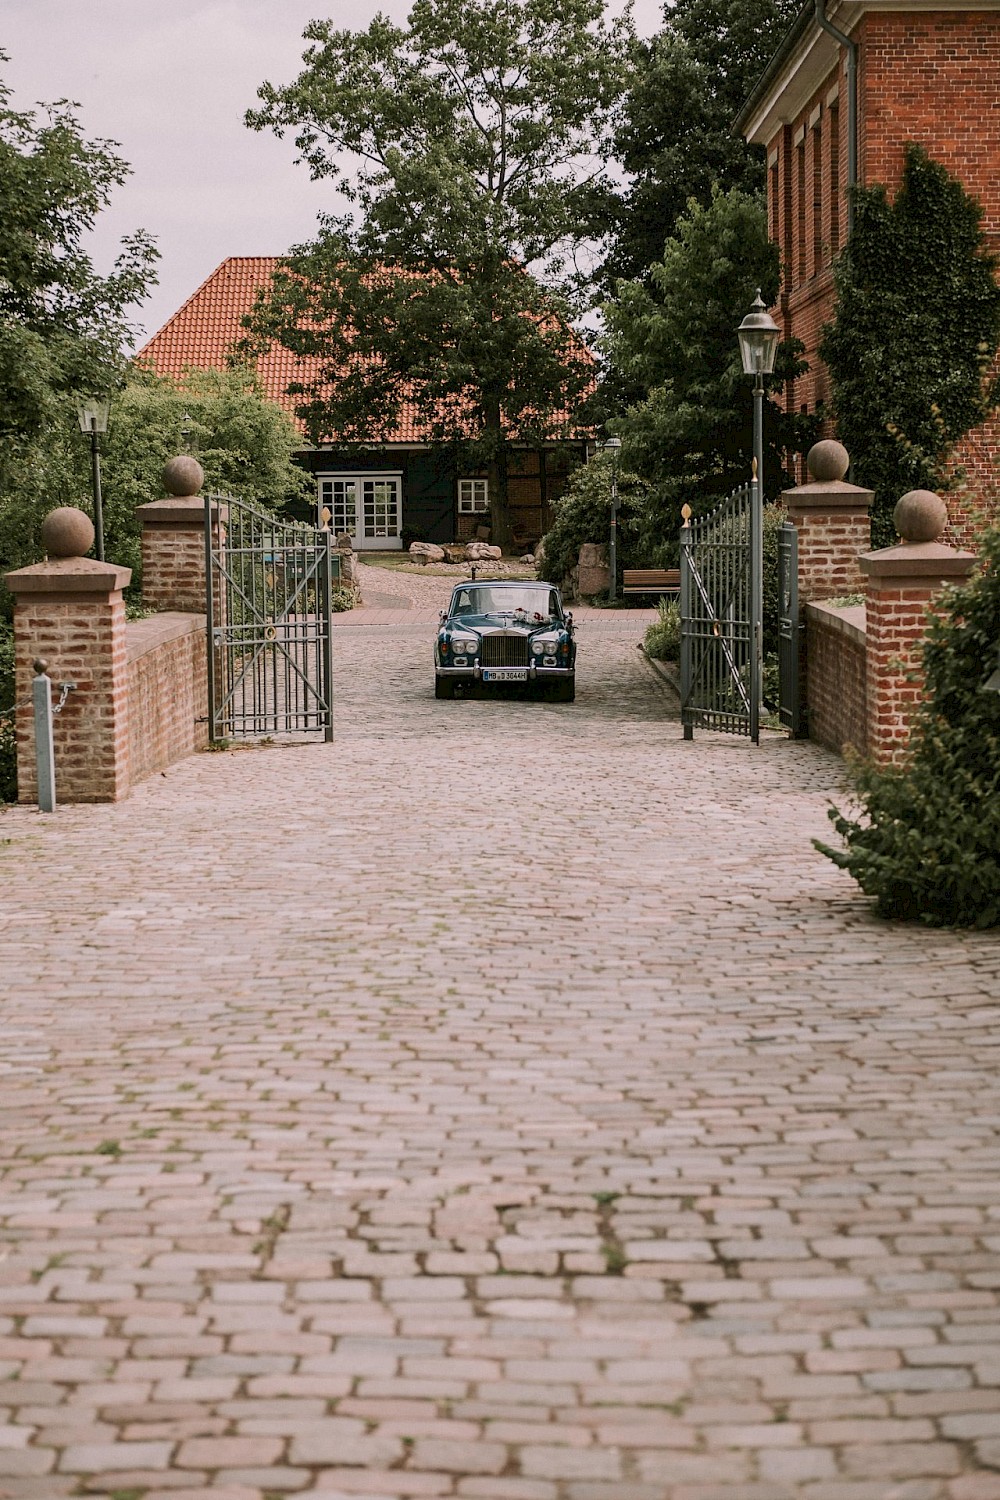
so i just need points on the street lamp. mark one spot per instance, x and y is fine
(758, 335)
(613, 445)
(93, 416)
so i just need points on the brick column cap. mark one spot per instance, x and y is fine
(69, 575)
(923, 562)
(186, 511)
(828, 494)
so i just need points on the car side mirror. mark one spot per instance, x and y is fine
(443, 615)
(569, 623)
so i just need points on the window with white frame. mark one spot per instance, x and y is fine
(473, 495)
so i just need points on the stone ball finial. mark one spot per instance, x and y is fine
(920, 516)
(828, 460)
(67, 532)
(183, 475)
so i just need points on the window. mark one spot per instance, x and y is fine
(365, 506)
(833, 117)
(817, 201)
(473, 495)
(800, 211)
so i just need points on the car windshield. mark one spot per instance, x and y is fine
(503, 599)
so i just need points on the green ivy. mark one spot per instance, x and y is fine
(926, 840)
(915, 330)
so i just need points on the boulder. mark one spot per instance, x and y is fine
(483, 552)
(426, 552)
(456, 552)
(344, 542)
(593, 574)
(529, 559)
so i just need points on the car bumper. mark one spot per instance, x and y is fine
(535, 674)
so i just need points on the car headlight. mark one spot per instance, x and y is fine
(538, 648)
(463, 645)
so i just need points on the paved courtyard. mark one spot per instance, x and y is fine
(504, 1102)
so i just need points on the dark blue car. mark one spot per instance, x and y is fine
(495, 631)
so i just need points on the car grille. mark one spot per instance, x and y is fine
(504, 651)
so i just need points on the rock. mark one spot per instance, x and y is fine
(593, 575)
(529, 558)
(344, 542)
(426, 552)
(540, 558)
(482, 552)
(456, 552)
(348, 569)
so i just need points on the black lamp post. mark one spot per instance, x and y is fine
(93, 417)
(614, 447)
(758, 335)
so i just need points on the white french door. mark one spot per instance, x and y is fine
(367, 506)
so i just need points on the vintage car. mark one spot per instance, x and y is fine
(495, 631)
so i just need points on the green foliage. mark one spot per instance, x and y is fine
(691, 436)
(583, 514)
(462, 143)
(244, 443)
(915, 330)
(663, 638)
(675, 138)
(926, 840)
(62, 327)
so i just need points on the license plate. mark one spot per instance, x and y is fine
(506, 674)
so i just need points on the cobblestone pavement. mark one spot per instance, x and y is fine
(502, 1103)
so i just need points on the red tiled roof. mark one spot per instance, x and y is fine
(201, 333)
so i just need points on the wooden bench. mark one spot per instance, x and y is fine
(651, 580)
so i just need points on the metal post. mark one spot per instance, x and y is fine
(613, 539)
(41, 699)
(215, 636)
(95, 464)
(327, 581)
(686, 643)
(757, 562)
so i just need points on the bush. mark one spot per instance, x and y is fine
(927, 841)
(663, 638)
(583, 514)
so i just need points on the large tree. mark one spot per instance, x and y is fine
(691, 435)
(912, 345)
(466, 144)
(676, 138)
(64, 329)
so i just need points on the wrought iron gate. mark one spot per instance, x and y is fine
(269, 604)
(721, 617)
(789, 637)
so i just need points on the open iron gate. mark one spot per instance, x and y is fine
(269, 586)
(721, 617)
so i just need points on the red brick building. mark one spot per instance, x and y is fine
(927, 73)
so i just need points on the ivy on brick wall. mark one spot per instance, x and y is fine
(915, 332)
(926, 840)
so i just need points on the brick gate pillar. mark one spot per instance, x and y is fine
(70, 612)
(833, 522)
(173, 540)
(903, 582)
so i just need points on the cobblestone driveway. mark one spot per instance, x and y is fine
(504, 1102)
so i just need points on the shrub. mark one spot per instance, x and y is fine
(583, 514)
(663, 637)
(926, 843)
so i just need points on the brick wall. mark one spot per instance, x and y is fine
(836, 652)
(830, 543)
(167, 691)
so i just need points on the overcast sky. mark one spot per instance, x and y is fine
(170, 81)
